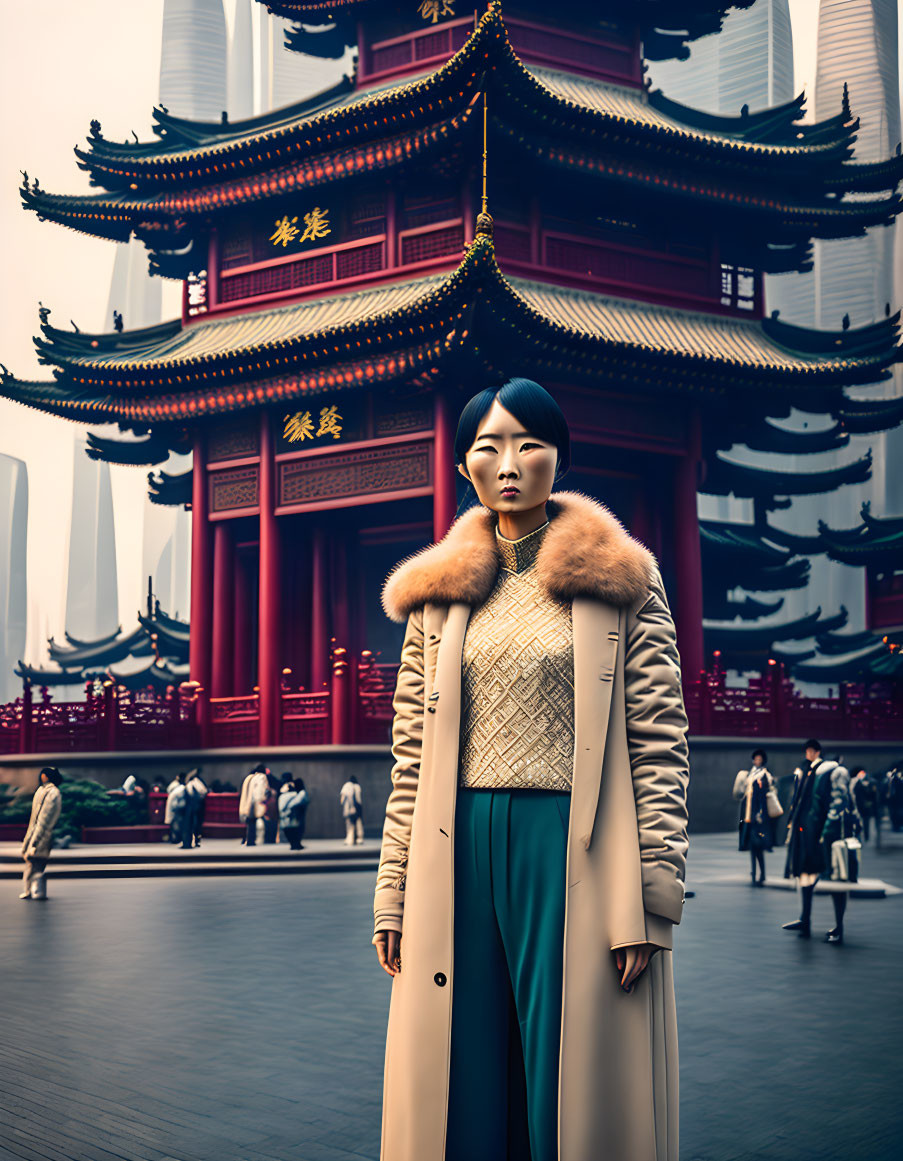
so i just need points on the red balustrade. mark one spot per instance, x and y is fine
(356, 707)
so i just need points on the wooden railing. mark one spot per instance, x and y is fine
(355, 707)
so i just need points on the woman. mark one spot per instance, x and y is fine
(752, 787)
(45, 812)
(535, 839)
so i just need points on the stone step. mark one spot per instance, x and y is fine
(194, 868)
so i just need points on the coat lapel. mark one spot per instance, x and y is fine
(596, 639)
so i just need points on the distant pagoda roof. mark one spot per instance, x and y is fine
(725, 478)
(153, 653)
(744, 647)
(877, 541)
(384, 333)
(719, 607)
(624, 137)
(738, 555)
(859, 657)
(668, 25)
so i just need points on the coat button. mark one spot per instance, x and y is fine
(440, 979)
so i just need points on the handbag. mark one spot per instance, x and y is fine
(773, 804)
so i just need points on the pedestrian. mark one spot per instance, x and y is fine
(804, 859)
(177, 810)
(197, 790)
(758, 810)
(893, 796)
(253, 791)
(45, 812)
(535, 840)
(351, 799)
(865, 793)
(293, 803)
(833, 800)
(270, 809)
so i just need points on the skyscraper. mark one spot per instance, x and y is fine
(13, 590)
(750, 62)
(91, 598)
(193, 61)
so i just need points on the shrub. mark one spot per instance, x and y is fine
(85, 803)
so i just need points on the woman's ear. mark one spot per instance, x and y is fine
(463, 470)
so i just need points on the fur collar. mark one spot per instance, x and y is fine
(585, 552)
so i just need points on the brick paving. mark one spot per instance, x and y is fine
(242, 1020)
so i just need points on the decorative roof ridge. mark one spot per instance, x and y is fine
(371, 99)
(786, 115)
(166, 123)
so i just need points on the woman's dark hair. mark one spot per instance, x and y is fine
(286, 776)
(813, 744)
(273, 781)
(763, 754)
(299, 784)
(53, 775)
(529, 403)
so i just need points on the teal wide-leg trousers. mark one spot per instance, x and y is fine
(510, 868)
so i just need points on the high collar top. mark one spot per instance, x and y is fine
(518, 555)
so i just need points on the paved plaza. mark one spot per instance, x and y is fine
(242, 1019)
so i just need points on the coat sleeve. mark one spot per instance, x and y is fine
(407, 740)
(659, 758)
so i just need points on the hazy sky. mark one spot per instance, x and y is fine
(62, 63)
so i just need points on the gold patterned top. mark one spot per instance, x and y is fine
(517, 719)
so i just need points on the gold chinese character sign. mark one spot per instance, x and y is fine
(316, 225)
(434, 10)
(300, 426)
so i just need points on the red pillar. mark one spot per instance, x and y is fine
(319, 613)
(223, 612)
(213, 270)
(688, 558)
(201, 597)
(444, 501)
(268, 651)
(241, 628)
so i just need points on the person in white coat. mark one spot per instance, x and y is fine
(45, 812)
(351, 798)
(251, 803)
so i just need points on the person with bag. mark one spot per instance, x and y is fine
(758, 812)
(839, 839)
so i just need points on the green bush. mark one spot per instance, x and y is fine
(85, 803)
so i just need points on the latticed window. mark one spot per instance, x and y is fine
(424, 209)
(273, 279)
(510, 242)
(422, 247)
(393, 56)
(435, 44)
(361, 260)
(367, 216)
(236, 251)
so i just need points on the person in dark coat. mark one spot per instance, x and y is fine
(756, 828)
(865, 793)
(804, 855)
(833, 800)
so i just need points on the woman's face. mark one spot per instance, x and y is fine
(511, 470)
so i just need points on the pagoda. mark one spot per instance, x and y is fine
(488, 195)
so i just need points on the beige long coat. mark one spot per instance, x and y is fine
(626, 845)
(45, 812)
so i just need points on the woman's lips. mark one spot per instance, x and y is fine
(510, 491)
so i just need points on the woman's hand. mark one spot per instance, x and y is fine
(632, 961)
(388, 951)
